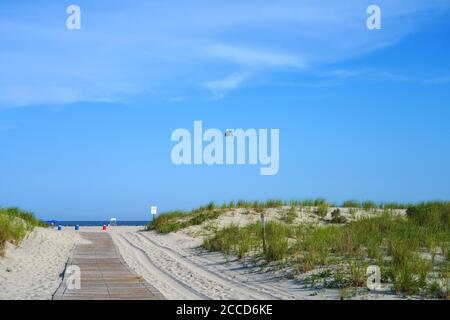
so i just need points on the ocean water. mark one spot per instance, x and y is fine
(99, 223)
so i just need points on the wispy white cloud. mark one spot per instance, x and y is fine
(380, 75)
(337, 77)
(225, 46)
(17, 95)
(220, 87)
(254, 57)
(50, 93)
(396, 77)
(345, 73)
(253, 60)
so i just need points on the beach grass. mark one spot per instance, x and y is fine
(351, 204)
(322, 209)
(14, 226)
(412, 251)
(179, 219)
(176, 220)
(290, 215)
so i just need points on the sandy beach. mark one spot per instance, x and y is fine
(173, 263)
(32, 271)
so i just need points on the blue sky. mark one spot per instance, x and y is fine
(86, 115)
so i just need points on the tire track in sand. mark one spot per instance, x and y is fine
(268, 291)
(160, 278)
(192, 275)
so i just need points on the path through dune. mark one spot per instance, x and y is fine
(175, 266)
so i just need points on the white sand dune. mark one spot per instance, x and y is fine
(33, 270)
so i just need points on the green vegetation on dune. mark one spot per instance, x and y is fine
(176, 220)
(354, 204)
(14, 225)
(412, 251)
(351, 204)
(290, 216)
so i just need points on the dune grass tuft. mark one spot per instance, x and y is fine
(351, 204)
(322, 209)
(290, 215)
(14, 226)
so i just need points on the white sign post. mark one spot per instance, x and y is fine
(153, 211)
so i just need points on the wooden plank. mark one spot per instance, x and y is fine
(104, 274)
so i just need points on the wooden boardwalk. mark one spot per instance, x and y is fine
(104, 274)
